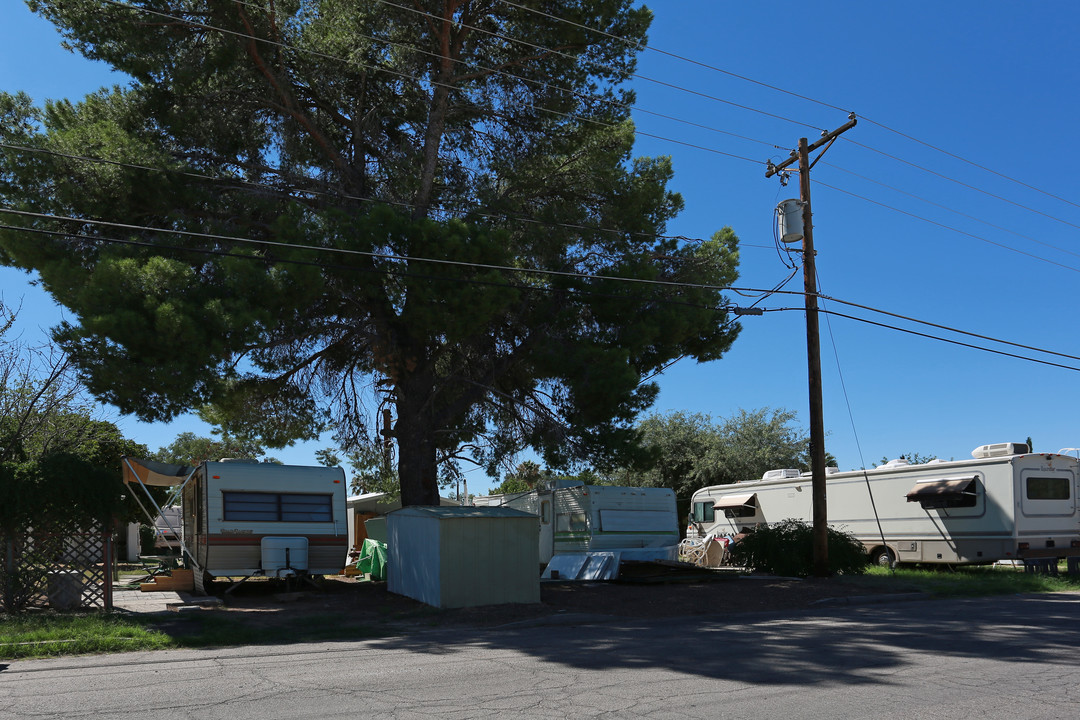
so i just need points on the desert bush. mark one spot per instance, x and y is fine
(787, 548)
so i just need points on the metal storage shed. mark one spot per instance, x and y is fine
(452, 557)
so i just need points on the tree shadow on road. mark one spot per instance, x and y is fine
(849, 645)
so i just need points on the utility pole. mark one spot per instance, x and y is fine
(813, 344)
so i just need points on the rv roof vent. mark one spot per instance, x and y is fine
(898, 462)
(999, 450)
(831, 470)
(935, 461)
(782, 473)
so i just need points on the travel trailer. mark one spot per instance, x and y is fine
(639, 523)
(1006, 503)
(245, 518)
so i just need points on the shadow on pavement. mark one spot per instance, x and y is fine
(848, 645)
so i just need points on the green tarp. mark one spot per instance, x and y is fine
(372, 560)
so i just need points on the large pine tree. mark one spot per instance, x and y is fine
(361, 141)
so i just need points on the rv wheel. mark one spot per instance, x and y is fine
(882, 557)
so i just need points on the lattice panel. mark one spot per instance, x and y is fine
(63, 570)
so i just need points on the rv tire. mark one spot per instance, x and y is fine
(882, 557)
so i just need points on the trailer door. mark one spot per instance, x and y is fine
(547, 529)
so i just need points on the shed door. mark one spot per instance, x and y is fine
(547, 531)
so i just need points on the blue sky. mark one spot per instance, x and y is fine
(899, 226)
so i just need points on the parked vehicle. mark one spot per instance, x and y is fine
(1006, 503)
(639, 523)
(245, 518)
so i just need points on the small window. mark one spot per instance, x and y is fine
(571, 522)
(277, 507)
(545, 512)
(1048, 488)
(743, 511)
(703, 512)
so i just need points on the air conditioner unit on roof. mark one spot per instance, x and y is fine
(781, 473)
(1000, 450)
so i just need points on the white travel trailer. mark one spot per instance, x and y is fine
(1004, 504)
(639, 523)
(242, 518)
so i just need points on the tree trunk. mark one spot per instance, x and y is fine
(415, 431)
(432, 141)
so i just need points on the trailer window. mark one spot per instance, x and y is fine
(571, 522)
(945, 493)
(277, 507)
(703, 512)
(1047, 488)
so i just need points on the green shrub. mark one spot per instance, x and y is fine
(787, 548)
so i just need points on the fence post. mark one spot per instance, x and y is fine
(9, 572)
(110, 568)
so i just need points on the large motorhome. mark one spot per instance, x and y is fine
(639, 523)
(1006, 503)
(244, 518)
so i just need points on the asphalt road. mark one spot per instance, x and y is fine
(1002, 657)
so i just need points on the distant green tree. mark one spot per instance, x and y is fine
(370, 471)
(687, 451)
(51, 440)
(526, 476)
(751, 442)
(915, 458)
(191, 449)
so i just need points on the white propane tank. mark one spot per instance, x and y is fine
(789, 218)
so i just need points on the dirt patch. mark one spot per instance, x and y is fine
(656, 592)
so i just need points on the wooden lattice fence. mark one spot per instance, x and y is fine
(65, 568)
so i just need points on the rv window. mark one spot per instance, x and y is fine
(703, 512)
(1047, 488)
(741, 511)
(277, 507)
(571, 522)
(254, 507)
(306, 508)
(945, 493)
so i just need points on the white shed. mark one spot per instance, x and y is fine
(452, 557)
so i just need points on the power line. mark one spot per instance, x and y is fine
(949, 227)
(945, 340)
(481, 266)
(777, 290)
(545, 85)
(570, 295)
(973, 164)
(685, 59)
(963, 184)
(363, 253)
(795, 95)
(286, 46)
(949, 209)
(592, 120)
(939, 326)
(374, 201)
